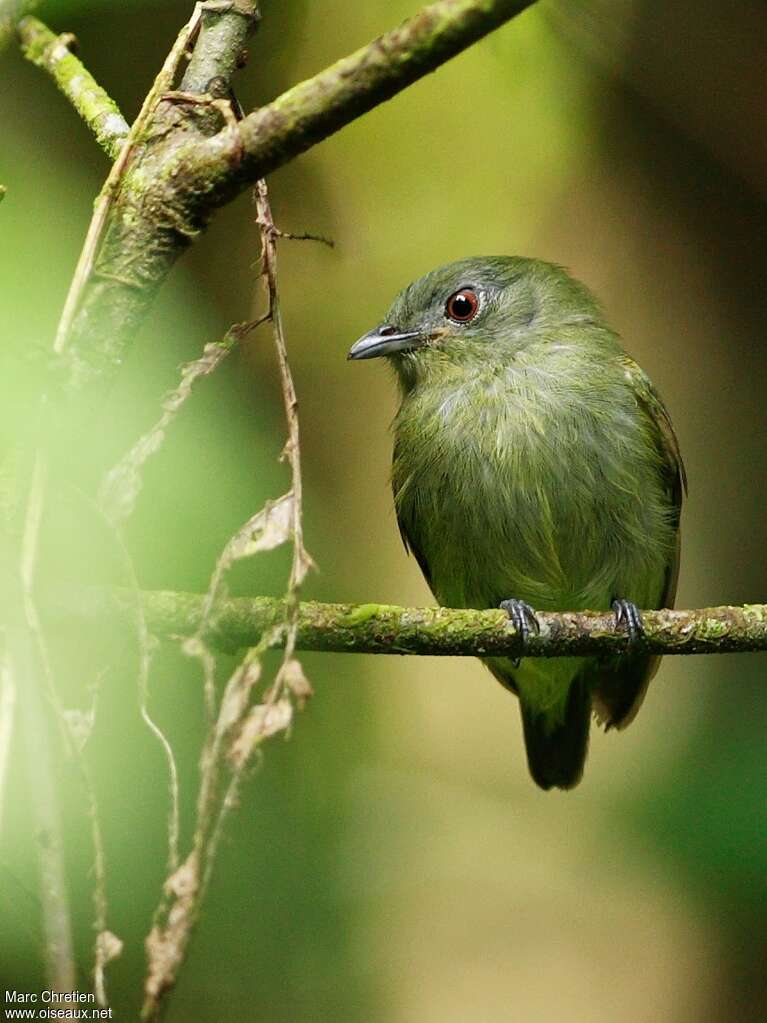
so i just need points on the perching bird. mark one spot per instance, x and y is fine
(535, 467)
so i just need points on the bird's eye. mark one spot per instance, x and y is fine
(462, 306)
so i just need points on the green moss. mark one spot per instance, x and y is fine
(362, 614)
(98, 110)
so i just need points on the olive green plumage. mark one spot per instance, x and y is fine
(533, 460)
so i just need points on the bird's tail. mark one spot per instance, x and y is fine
(556, 753)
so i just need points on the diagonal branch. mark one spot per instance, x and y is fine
(301, 561)
(114, 282)
(172, 188)
(387, 629)
(320, 106)
(85, 272)
(52, 53)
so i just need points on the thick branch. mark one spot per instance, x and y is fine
(93, 104)
(315, 109)
(172, 187)
(226, 25)
(147, 224)
(386, 629)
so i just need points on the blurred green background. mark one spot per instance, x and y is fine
(392, 861)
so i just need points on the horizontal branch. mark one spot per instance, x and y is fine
(387, 629)
(99, 111)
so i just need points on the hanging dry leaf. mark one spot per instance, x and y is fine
(266, 530)
(262, 722)
(235, 700)
(291, 675)
(108, 947)
(186, 880)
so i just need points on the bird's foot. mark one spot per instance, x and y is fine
(627, 616)
(522, 617)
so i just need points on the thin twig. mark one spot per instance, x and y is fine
(184, 890)
(145, 664)
(121, 486)
(11, 12)
(237, 728)
(306, 236)
(99, 111)
(289, 673)
(74, 727)
(107, 946)
(261, 722)
(145, 644)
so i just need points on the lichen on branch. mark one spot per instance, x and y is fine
(11, 12)
(52, 53)
(170, 189)
(387, 629)
(320, 106)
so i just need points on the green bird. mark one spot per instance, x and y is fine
(535, 466)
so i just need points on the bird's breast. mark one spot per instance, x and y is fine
(508, 485)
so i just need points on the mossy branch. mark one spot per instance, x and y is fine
(52, 53)
(226, 25)
(316, 108)
(438, 631)
(197, 163)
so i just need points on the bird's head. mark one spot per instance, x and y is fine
(475, 312)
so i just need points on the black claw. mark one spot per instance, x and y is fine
(628, 616)
(522, 617)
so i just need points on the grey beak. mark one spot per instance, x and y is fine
(384, 340)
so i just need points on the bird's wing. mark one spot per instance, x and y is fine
(651, 404)
(409, 539)
(621, 687)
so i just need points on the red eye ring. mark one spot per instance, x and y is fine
(462, 305)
